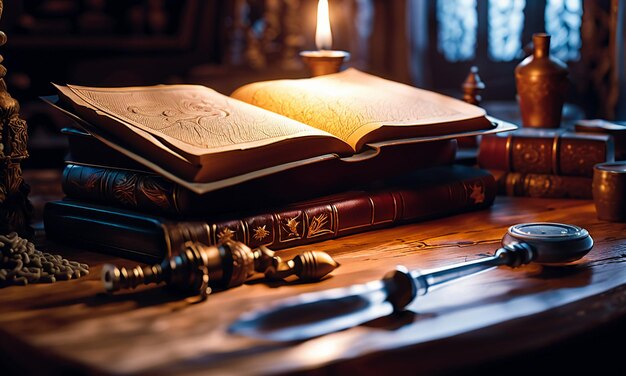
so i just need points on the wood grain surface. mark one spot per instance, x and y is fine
(74, 326)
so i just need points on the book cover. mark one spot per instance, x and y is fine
(543, 185)
(550, 152)
(149, 192)
(426, 194)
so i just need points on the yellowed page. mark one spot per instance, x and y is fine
(351, 103)
(148, 137)
(193, 119)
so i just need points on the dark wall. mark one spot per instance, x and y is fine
(99, 42)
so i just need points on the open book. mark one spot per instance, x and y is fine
(194, 134)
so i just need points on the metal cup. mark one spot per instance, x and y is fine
(609, 191)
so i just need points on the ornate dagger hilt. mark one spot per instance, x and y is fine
(200, 268)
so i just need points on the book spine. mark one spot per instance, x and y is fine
(123, 188)
(86, 149)
(543, 186)
(549, 153)
(150, 193)
(358, 212)
(149, 238)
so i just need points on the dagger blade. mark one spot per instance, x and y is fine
(315, 314)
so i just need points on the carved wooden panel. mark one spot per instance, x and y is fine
(15, 209)
(96, 24)
(598, 63)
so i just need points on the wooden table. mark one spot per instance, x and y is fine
(499, 319)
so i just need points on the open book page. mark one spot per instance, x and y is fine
(67, 93)
(354, 105)
(194, 120)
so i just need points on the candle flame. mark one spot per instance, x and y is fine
(323, 35)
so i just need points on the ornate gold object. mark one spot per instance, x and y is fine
(15, 209)
(200, 268)
(324, 62)
(541, 86)
(609, 191)
(472, 87)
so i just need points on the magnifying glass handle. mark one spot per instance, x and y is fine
(403, 286)
(541, 242)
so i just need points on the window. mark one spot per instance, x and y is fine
(505, 24)
(457, 22)
(493, 34)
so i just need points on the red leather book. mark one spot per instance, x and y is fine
(98, 174)
(542, 185)
(552, 152)
(426, 194)
(148, 192)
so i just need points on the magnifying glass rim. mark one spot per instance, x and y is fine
(578, 233)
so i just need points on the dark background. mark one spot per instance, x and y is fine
(224, 44)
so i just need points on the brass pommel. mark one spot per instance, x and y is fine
(200, 268)
(313, 265)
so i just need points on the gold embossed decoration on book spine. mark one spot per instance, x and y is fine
(15, 209)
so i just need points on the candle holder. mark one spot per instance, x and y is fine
(324, 62)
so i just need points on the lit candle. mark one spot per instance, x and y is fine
(323, 34)
(324, 60)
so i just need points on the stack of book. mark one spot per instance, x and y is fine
(545, 163)
(278, 163)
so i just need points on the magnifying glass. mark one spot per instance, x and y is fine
(321, 312)
(552, 243)
(540, 242)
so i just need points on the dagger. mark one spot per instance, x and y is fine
(314, 314)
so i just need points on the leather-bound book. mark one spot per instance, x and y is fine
(149, 192)
(426, 194)
(205, 140)
(552, 152)
(542, 185)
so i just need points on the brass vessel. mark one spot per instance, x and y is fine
(541, 82)
(609, 191)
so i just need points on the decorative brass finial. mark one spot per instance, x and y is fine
(15, 209)
(200, 268)
(472, 87)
